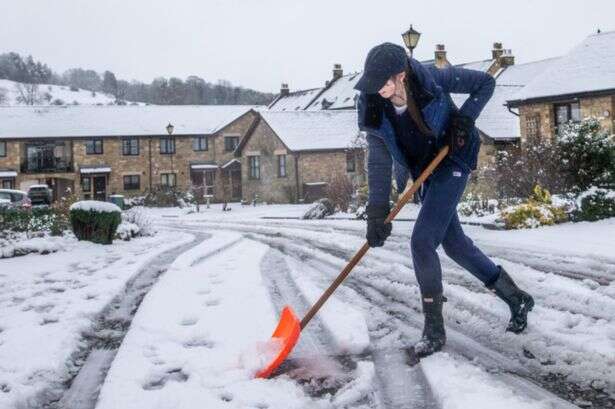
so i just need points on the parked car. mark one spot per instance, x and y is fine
(10, 198)
(40, 194)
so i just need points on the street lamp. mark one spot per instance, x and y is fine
(170, 128)
(411, 38)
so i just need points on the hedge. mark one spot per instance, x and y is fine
(95, 223)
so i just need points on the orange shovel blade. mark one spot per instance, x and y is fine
(287, 332)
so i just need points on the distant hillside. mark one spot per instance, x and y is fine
(161, 91)
(14, 93)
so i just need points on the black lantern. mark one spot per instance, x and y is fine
(170, 128)
(411, 38)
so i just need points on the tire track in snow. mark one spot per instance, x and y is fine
(541, 374)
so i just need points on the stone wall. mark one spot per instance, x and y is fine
(269, 187)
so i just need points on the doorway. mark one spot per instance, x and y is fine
(100, 188)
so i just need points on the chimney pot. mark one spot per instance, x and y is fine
(284, 89)
(338, 72)
(497, 51)
(440, 56)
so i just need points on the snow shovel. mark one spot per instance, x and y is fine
(287, 332)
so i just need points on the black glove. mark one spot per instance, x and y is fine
(458, 132)
(377, 229)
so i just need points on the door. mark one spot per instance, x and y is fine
(236, 184)
(209, 182)
(100, 188)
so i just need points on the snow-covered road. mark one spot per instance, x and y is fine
(352, 354)
(197, 337)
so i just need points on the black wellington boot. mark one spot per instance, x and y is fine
(519, 302)
(434, 336)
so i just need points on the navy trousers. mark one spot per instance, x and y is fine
(438, 223)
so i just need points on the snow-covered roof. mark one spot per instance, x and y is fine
(589, 67)
(340, 95)
(7, 173)
(81, 121)
(295, 101)
(482, 65)
(314, 130)
(495, 120)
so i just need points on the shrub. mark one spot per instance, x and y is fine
(166, 196)
(595, 204)
(23, 220)
(95, 221)
(587, 155)
(139, 217)
(321, 208)
(339, 191)
(537, 211)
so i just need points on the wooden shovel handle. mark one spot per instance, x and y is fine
(405, 197)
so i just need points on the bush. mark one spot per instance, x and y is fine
(141, 219)
(587, 155)
(595, 204)
(165, 196)
(24, 220)
(339, 191)
(320, 209)
(537, 211)
(95, 221)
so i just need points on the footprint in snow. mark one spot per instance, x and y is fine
(226, 396)
(49, 320)
(199, 342)
(216, 281)
(157, 381)
(204, 291)
(212, 302)
(189, 321)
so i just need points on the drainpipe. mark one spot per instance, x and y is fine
(511, 111)
(150, 163)
(297, 174)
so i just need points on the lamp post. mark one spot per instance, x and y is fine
(411, 38)
(170, 128)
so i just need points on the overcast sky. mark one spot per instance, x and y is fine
(261, 43)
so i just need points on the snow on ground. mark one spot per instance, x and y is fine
(48, 301)
(49, 93)
(194, 337)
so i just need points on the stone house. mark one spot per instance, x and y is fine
(578, 85)
(293, 156)
(98, 151)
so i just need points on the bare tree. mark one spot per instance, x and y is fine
(28, 94)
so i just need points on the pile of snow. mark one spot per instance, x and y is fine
(142, 219)
(20, 245)
(96, 206)
(48, 94)
(126, 231)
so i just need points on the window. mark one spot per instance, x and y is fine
(281, 166)
(86, 183)
(565, 113)
(2, 149)
(230, 143)
(167, 145)
(532, 126)
(255, 167)
(132, 182)
(7, 184)
(350, 162)
(167, 179)
(94, 147)
(130, 146)
(200, 143)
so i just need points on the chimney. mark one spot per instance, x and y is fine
(440, 56)
(507, 58)
(337, 71)
(284, 91)
(497, 51)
